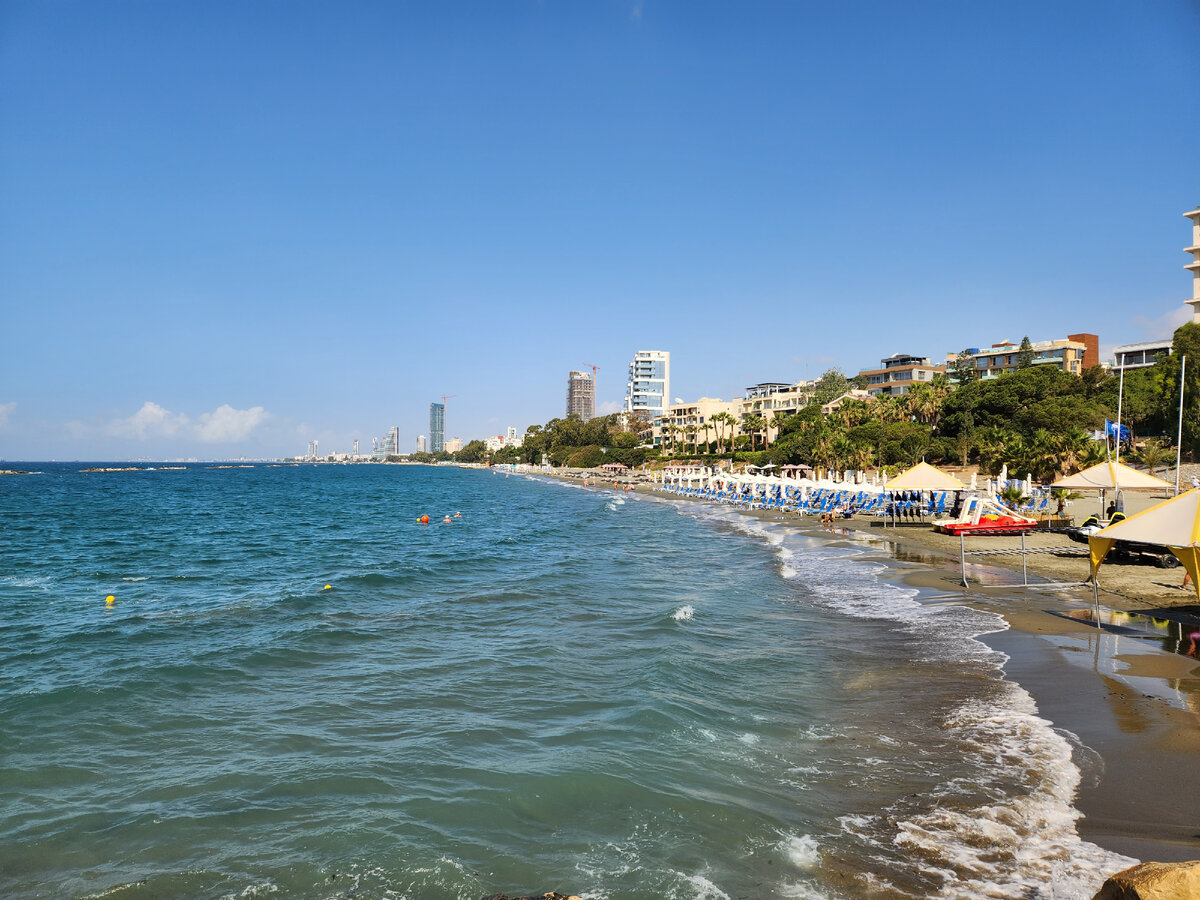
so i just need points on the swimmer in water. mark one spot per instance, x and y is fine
(458, 515)
(446, 521)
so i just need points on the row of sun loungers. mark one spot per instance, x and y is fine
(824, 501)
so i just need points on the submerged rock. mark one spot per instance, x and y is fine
(1154, 881)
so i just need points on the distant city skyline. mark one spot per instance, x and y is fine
(361, 209)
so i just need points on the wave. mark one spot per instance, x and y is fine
(1012, 820)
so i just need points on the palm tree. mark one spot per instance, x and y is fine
(1095, 452)
(1013, 496)
(754, 424)
(689, 432)
(777, 421)
(1153, 454)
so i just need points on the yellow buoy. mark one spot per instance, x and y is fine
(110, 600)
(328, 587)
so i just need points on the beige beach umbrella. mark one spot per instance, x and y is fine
(1174, 524)
(1109, 475)
(924, 477)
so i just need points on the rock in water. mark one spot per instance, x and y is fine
(549, 895)
(1154, 881)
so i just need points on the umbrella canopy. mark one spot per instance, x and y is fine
(1174, 524)
(1108, 475)
(924, 477)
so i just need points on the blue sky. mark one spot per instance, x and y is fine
(227, 228)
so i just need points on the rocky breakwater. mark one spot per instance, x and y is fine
(549, 895)
(1154, 881)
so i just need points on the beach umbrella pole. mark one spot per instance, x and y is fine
(962, 557)
(1179, 438)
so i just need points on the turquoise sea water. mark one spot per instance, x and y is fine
(563, 689)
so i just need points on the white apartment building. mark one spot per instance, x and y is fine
(771, 397)
(1194, 265)
(648, 389)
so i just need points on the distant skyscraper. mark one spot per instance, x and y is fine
(649, 387)
(581, 395)
(312, 449)
(356, 446)
(391, 443)
(437, 427)
(420, 443)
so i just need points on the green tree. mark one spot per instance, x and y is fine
(830, 386)
(1025, 354)
(1154, 454)
(963, 370)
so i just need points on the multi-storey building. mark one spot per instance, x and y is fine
(437, 427)
(1072, 355)
(453, 445)
(1194, 265)
(774, 397)
(420, 443)
(581, 395)
(649, 387)
(899, 373)
(1141, 356)
(674, 426)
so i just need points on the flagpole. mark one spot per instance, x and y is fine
(1179, 439)
(1120, 396)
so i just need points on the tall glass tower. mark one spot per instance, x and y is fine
(649, 387)
(437, 427)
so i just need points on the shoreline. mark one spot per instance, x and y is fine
(1130, 702)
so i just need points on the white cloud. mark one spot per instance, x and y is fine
(6, 410)
(150, 421)
(226, 425)
(1163, 326)
(608, 407)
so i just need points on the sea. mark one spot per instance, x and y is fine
(300, 690)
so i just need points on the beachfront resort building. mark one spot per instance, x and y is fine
(836, 403)
(437, 427)
(689, 424)
(770, 398)
(1141, 356)
(649, 387)
(898, 373)
(1072, 355)
(453, 445)
(581, 395)
(1194, 265)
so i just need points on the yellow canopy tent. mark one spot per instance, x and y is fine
(1108, 475)
(1174, 524)
(924, 477)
